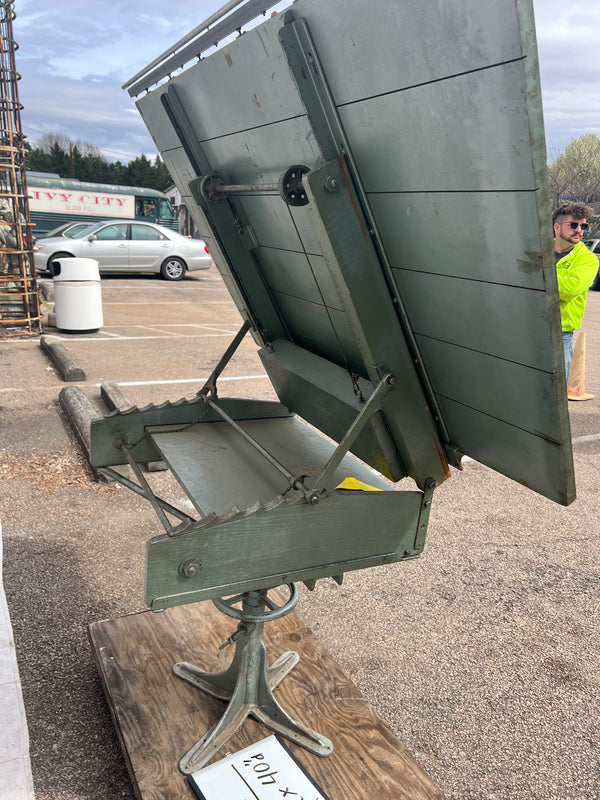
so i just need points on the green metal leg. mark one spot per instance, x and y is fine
(222, 684)
(248, 686)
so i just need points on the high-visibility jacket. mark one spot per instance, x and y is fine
(576, 271)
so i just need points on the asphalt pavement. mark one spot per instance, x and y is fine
(481, 656)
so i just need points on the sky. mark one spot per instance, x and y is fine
(73, 58)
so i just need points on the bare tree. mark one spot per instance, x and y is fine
(48, 140)
(575, 173)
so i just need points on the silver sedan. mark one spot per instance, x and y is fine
(120, 246)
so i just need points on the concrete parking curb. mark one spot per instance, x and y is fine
(68, 368)
(46, 289)
(114, 397)
(80, 413)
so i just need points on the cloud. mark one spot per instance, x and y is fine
(73, 59)
(569, 70)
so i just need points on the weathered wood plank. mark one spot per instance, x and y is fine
(158, 716)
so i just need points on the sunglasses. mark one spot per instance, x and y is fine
(574, 225)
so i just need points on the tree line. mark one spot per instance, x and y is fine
(574, 174)
(85, 162)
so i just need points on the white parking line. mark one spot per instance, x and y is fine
(157, 330)
(170, 303)
(593, 437)
(188, 380)
(138, 338)
(200, 380)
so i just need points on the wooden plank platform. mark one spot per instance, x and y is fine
(159, 716)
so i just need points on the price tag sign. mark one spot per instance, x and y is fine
(264, 771)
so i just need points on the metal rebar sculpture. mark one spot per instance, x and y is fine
(19, 301)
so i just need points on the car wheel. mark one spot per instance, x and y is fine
(55, 257)
(173, 269)
(596, 282)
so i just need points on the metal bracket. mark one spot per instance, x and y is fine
(424, 515)
(311, 81)
(145, 489)
(295, 481)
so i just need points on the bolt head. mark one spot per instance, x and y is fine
(189, 568)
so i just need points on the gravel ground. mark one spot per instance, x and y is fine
(482, 656)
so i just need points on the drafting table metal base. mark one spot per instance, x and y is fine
(248, 685)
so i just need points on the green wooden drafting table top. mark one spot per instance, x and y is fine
(433, 259)
(371, 183)
(376, 203)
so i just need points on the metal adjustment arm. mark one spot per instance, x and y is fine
(146, 490)
(383, 387)
(248, 685)
(117, 476)
(295, 481)
(210, 387)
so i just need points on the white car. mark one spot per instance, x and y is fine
(120, 246)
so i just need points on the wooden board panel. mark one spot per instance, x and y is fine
(408, 220)
(158, 716)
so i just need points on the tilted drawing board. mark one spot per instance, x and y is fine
(371, 182)
(376, 202)
(433, 259)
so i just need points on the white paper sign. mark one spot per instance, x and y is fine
(264, 771)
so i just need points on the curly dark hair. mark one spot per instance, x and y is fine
(575, 210)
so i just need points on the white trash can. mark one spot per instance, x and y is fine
(77, 294)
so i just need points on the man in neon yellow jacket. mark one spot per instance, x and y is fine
(576, 268)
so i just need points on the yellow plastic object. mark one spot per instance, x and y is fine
(355, 485)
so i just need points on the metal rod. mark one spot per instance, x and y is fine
(185, 39)
(271, 459)
(210, 387)
(147, 491)
(384, 386)
(243, 188)
(112, 473)
(210, 38)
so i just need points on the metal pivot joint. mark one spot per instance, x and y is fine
(289, 186)
(248, 684)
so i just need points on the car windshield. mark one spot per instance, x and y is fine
(87, 231)
(59, 230)
(76, 229)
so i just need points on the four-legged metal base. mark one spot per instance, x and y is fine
(248, 686)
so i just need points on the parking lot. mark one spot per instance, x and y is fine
(481, 656)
